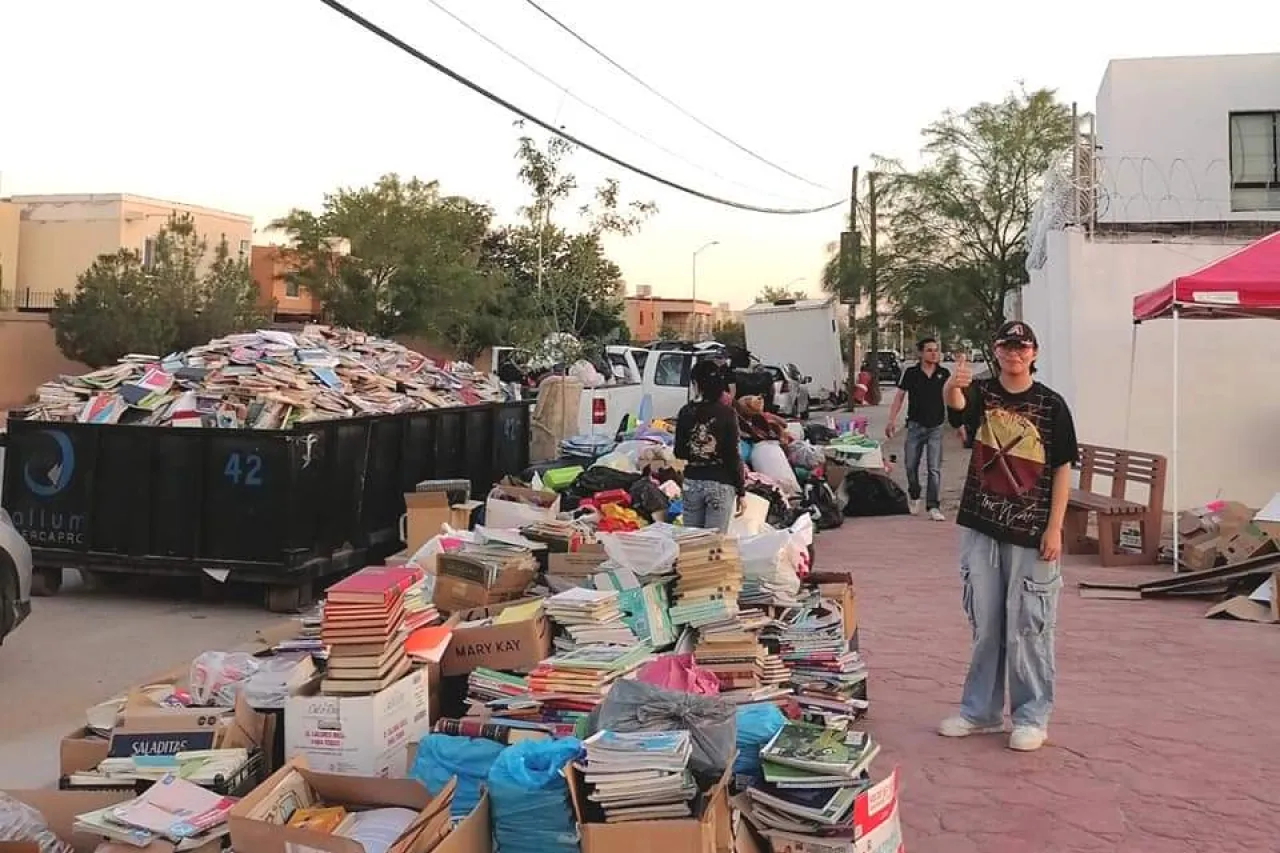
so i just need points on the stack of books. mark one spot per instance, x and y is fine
(585, 673)
(362, 626)
(419, 612)
(640, 776)
(173, 810)
(829, 680)
(708, 580)
(588, 617)
(811, 778)
(736, 659)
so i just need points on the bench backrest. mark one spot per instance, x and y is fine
(1123, 467)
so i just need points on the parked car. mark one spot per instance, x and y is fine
(888, 370)
(15, 576)
(790, 391)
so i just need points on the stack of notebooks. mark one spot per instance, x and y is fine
(645, 608)
(586, 672)
(588, 617)
(812, 777)
(173, 810)
(205, 767)
(829, 680)
(640, 776)
(708, 580)
(363, 617)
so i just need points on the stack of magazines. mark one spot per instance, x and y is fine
(812, 776)
(640, 776)
(172, 810)
(589, 616)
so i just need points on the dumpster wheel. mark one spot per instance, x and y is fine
(46, 582)
(289, 598)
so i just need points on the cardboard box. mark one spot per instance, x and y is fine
(81, 750)
(1200, 552)
(1219, 517)
(359, 735)
(458, 588)
(582, 563)
(425, 513)
(1248, 542)
(59, 809)
(512, 507)
(517, 646)
(463, 516)
(709, 832)
(839, 588)
(278, 796)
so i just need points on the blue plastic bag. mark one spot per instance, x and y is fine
(530, 798)
(442, 757)
(757, 724)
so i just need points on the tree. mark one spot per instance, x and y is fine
(414, 265)
(776, 293)
(957, 227)
(171, 302)
(731, 333)
(668, 333)
(557, 279)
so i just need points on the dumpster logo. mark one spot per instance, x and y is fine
(47, 475)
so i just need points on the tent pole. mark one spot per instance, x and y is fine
(1133, 360)
(1176, 464)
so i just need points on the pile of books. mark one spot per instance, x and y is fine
(269, 379)
(362, 626)
(639, 776)
(588, 617)
(174, 810)
(737, 659)
(205, 767)
(708, 579)
(829, 680)
(811, 778)
(585, 673)
(488, 573)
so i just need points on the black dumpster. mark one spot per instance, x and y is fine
(277, 507)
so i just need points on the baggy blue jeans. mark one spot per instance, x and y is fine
(1010, 597)
(919, 440)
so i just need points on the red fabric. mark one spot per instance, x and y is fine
(1244, 283)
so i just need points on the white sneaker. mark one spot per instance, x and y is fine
(1027, 738)
(916, 506)
(936, 514)
(958, 726)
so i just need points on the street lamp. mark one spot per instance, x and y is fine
(699, 251)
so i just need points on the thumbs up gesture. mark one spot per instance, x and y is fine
(962, 376)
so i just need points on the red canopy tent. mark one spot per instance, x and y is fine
(1244, 284)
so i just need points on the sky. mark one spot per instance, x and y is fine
(260, 106)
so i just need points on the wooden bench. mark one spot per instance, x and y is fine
(1122, 468)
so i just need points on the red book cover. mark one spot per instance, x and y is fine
(374, 585)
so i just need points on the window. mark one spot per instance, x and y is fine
(672, 370)
(1254, 144)
(244, 248)
(149, 253)
(641, 356)
(290, 288)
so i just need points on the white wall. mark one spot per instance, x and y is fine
(1081, 306)
(1163, 130)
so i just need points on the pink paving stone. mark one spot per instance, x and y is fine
(1165, 738)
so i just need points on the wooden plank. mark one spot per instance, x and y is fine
(1109, 593)
(1258, 565)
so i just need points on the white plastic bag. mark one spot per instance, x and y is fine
(768, 458)
(770, 557)
(216, 678)
(645, 552)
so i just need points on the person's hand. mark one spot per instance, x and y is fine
(962, 375)
(742, 505)
(891, 430)
(1051, 545)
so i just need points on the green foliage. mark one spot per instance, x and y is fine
(177, 301)
(414, 265)
(956, 229)
(669, 333)
(731, 333)
(776, 293)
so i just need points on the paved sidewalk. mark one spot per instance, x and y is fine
(1164, 735)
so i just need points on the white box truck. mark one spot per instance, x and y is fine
(802, 332)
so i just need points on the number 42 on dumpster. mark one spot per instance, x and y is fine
(243, 469)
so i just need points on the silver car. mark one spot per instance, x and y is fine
(15, 576)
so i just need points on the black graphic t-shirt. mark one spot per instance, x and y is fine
(707, 439)
(1018, 440)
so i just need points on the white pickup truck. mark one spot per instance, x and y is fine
(661, 375)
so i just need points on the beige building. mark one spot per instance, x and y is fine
(59, 236)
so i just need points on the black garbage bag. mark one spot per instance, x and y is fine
(592, 481)
(649, 500)
(819, 433)
(873, 493)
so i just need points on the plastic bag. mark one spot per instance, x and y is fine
(443, 757)
(269, 687)
(681, 674)
(530, 798)
(20, 822)
(772, 558)
(217, 677)
(631, 706)
(757, 724)
(646, 552)
(768, 458)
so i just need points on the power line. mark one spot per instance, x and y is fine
(599, 112)
(607, 58)
(368, 25)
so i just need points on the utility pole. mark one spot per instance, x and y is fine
(850, 263)
(873, 293)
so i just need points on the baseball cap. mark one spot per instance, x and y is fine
(1016, 332)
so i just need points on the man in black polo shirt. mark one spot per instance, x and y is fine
(921, 386)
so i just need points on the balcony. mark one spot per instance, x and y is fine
(28, 300)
